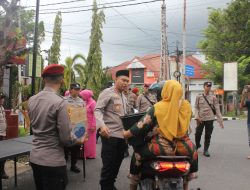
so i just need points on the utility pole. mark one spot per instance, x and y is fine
(164, 67)
(183, 70)
(177, 62)
(19, 66)
(33, 85)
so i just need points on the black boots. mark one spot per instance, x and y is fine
(206, 153)
(75, 169)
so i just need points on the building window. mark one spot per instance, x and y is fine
(150, 74)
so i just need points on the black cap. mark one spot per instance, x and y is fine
(75, 86)
(122, 73)
(2, 95)
(209, 84)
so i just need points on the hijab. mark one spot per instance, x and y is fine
(173, 114)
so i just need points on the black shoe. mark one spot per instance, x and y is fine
(206, 153)
(5, 176)
(198, 146)
(75, 169)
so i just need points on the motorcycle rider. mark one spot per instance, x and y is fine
(169, 119)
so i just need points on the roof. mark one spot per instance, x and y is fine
(152, 63)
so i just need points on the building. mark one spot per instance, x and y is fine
(146, 69)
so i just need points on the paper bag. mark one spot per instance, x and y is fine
(78, 118)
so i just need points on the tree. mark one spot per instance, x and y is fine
(94, 72)
(72, 69)
(8, 25)
(54, 54)
(27, 27)
(227, 38)
(227, 35)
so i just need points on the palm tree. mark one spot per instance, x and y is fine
(74, 72)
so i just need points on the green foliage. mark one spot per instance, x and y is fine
(27, 27)
(54, 56)
(227, 36)
(16, 89)
(74, 70)
(94, 72)
(244, 71)
(21, 131)
(214, 71)
(227, 39)
(26, 92)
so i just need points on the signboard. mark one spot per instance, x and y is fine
(137, 76)
(38, 65)
(231, 76)
(189, 70)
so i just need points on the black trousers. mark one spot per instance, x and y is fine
(75, 153)
(2, 163)
(112, 154)
(208, 133)
(49, 178)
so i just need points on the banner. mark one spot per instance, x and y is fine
(231, 76)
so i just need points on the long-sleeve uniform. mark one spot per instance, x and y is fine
(109, 107)
(145, 101)
(51, 129)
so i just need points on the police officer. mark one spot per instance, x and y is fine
(74, 100)
(51, 129)
(3, 126)
(206, 108)
(111, 105)
(131, 99)
(145, 100)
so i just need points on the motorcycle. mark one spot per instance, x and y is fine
(164, 173)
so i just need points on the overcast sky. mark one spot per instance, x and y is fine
(129, 31)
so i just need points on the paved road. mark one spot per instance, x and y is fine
(226, 169)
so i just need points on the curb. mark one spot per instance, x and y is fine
(230, 118)
(226, 118)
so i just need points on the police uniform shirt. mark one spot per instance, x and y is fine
(131, 102)
(110, 106)
(2, 122)
(203, 111)
(51, 128)
(75, 101)
(142, 102)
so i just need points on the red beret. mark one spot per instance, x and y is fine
(53, 70)
(135, 90)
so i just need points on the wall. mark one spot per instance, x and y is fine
(195, 88)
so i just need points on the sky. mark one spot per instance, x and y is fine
(129, 31)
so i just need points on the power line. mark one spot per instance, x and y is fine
(86, 6)
(115, 6)
(68, 32)
(139, 28)
(64, 2)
